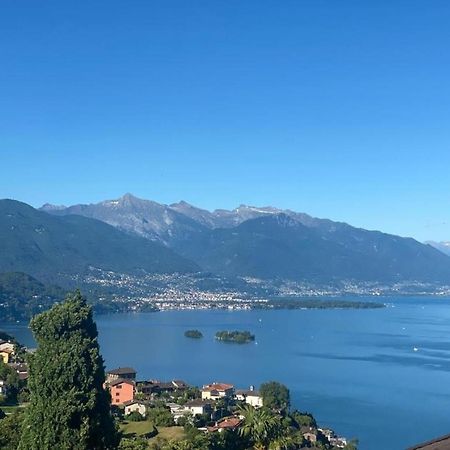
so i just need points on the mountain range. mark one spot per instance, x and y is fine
(48, 246)
(266, 242)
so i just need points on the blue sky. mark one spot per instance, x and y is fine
(340, 109)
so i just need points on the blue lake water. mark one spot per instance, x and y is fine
(355, 370)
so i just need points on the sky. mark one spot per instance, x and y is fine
(340, 109)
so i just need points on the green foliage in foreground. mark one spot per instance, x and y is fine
(240, 337)
(69, 409)
(196, 334)
(10, 428)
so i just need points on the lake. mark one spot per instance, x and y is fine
(380, 375)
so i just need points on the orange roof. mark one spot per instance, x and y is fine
(226, 423)
(217, 387)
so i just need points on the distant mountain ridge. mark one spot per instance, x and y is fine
(443, 246)
(270, 243)
(22, 296)
(157, 221)
(46, 245)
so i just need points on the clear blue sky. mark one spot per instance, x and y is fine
(336, 108)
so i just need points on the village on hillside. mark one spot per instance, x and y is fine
(159, 411)
(212, 408)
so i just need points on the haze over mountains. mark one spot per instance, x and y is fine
(443, 246)
(269, 243)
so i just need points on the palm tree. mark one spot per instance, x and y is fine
(264, 429)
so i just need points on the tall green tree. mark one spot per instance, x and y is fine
(275, 396)
(69, 409)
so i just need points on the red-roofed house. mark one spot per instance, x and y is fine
(227, 423)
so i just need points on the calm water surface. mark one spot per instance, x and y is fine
(355, 370)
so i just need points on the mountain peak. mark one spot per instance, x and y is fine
(50, 207)
(126, 199)
(181, 204)
(129, 196)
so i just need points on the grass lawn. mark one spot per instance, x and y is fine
(133, 429)
(169, 433)
(10, 409)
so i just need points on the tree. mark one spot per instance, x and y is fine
(265, 430)
(161, 417)
(10, 431)
(69, 408)
(133, 444)
(9, 375)
(303, 419)
(135, 416)
(275, 396)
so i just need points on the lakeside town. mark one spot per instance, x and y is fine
(154, 413)
(148, 292)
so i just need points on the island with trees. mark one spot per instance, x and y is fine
(239, 337)
(193, 334)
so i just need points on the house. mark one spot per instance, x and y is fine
(6, 351)
(122, 391)
(176, 410)
(339, 442)
(327, 432)
(309, 433)
(198, 406)
(227, 423)
(8, 346)
(21, 369)
(441, 443)
(216, 391)
(5, 355)
(180, 384)
(157, 387)
(124, 373)
(251, 397)
(135, 406)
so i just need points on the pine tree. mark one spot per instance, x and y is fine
(69, 408)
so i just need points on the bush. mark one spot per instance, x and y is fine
(10, 430)
(161, 417)
(135, 416)
(133, 444)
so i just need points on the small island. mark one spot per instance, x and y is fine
(239, 337)
(194, 334)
